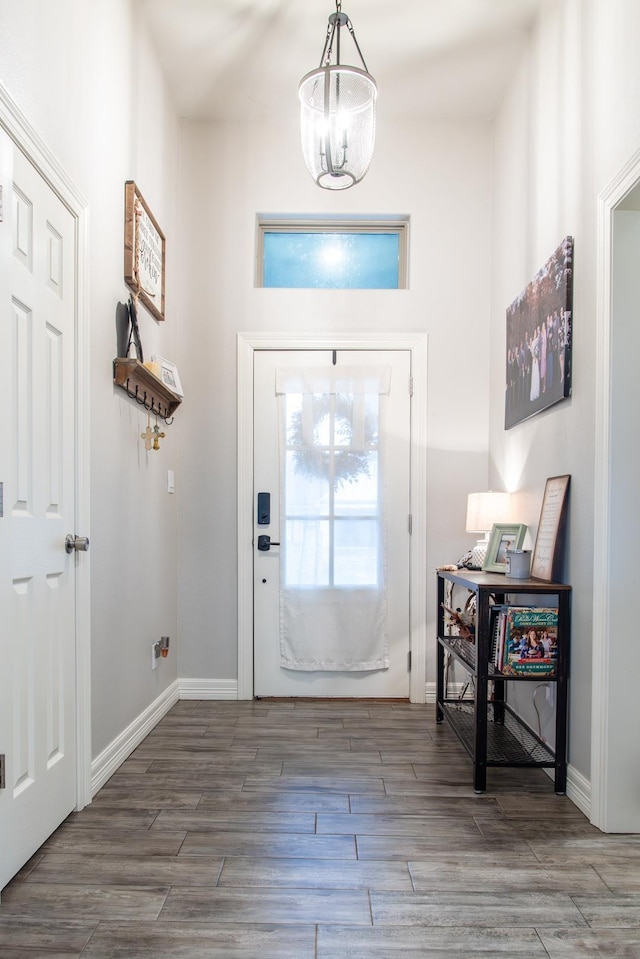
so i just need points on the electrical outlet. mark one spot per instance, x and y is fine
(155, 655)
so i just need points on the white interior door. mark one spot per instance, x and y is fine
(37, 473)
(343, 529)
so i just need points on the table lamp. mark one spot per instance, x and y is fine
(483, 510)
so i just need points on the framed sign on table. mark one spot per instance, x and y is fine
(144, 252)
(547, 552)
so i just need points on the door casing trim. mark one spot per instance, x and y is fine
(416, 344)
(16, 125)
(603, 726)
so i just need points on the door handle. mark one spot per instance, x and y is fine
(265, 543)
(78, 543)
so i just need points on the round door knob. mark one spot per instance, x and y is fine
(78, 543)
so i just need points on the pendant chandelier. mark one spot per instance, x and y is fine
(337, 114)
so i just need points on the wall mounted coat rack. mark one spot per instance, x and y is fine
(145, 388)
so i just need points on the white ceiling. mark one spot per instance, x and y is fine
(230, 58)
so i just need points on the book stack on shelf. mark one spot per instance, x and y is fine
(524, 640)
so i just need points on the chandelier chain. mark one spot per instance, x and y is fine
(333, 27)
(328, 43)
(353, 37)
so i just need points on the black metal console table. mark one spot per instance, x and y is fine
(492, 733)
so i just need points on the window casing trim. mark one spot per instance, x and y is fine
(274, 223)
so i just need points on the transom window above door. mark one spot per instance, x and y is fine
(362, 253)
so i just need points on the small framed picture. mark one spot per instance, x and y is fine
(169, 374)
(504, 536)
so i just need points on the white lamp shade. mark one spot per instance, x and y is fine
(485, 509)
(337, 124)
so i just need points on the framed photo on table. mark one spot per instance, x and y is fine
(504, 536)
(547, 552)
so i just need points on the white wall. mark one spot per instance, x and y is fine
(87, 81)
(568, 124)
(439, 174)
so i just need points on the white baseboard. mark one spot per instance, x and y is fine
(208, 688)
(579, 790)
(104, 765)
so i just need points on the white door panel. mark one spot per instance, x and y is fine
(37, 469)
(270, 678)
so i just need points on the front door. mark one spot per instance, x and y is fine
(37, 509)
(331, 523)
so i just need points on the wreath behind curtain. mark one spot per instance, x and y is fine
(333, 628)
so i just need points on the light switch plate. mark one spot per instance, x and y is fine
(171, 482)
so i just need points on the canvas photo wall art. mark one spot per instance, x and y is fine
(539, 328)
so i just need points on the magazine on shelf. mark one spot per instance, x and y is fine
(530, 644)
(497, 619)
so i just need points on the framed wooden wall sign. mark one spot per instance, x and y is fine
(144, 251)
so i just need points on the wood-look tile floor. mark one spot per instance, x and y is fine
(322, 830)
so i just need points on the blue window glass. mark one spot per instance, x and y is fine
(325, 260)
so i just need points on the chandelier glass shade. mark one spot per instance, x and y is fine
(337, 115)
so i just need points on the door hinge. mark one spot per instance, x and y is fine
(2, 773)
(409, 661)
(410, 524)
(410, 386)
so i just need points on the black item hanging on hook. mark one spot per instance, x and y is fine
(135, 331)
